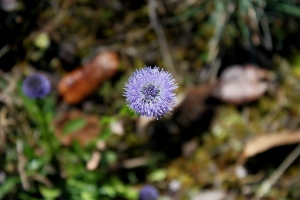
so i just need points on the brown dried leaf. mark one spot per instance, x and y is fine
(241, 84)
(266, 142)
(81, 82)
(84, 135)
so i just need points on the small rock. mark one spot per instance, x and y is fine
(240, 171)
(174, 186)
(211, 195)
(8, 5)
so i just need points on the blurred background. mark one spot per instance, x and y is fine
(234, 133)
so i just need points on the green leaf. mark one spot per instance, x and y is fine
(107, 120)
(48, 108)
(157, 175)
(8, 185)
(78, 186)
(126, 111)
(110, 157)
(25, 196)
(73, 125)
(85, 195)
(131, 193)
(49, 193)
(108, 190)
(105, 134)
(289, 9)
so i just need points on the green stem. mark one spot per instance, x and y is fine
(45, 133)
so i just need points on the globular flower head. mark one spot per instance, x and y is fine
(36, 86)
(148, 192)
(150, 92)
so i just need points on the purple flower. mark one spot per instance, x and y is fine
(148, 192)
(150, 92)
(36, 86)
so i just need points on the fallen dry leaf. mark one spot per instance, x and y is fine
(83, 135)
(81, 82)
(241, 84)
(266, 142)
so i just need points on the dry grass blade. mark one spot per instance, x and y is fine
(4, 50)
(22, 165)
(267, 35)
(267, 184)
(162, 41)
(223, 17)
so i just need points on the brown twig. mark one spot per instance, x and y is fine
(60, 13)
(4, 50)
(42, 179)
